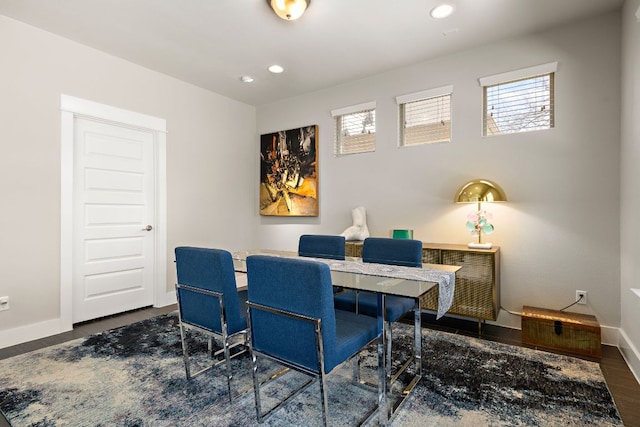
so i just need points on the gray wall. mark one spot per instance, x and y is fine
(209, 138)
(630, 177)
(558, 231)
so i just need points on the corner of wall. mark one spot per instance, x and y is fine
(166, 299)
(630, 353)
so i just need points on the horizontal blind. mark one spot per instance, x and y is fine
(519, 105)
(426, 121)
(356, 132)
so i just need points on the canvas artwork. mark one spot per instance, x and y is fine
(289, 172)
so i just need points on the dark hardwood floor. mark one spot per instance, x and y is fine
(622, 384)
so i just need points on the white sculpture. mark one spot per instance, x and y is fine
(359, 230)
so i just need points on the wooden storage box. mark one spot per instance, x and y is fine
(563, 331)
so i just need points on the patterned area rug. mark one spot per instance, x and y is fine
(134, 376)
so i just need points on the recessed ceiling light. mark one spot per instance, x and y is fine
(276, 69)
(441, 11)
(246, 79)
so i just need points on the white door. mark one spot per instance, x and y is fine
(113, 243)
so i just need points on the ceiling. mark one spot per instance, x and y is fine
(212, 43)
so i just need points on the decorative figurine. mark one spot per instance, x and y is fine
(359, 230)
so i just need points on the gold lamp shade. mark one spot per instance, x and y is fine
(480, 190)
(289, 9)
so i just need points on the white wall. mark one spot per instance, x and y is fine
(559, 230)
(209, 142)
(630, 193)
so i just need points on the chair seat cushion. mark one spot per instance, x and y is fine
(353, 332)
(368, 304)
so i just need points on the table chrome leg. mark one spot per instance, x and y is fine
(417, 335)
(383, 413)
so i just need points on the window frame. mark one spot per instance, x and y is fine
(548, 69)
(424, 95)
(338, 116)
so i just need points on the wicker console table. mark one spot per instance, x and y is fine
(477, 293)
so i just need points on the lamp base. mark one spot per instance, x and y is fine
(475, 245)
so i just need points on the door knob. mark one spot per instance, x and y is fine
(147, 228)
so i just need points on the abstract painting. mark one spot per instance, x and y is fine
(289, 172)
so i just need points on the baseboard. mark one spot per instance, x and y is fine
(630, 353)
(35, 331)
(609, 335)
(166, 299)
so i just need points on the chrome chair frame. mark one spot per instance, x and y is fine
(224, 337)
(390, 377)
(319, 375)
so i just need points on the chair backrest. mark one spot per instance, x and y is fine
(210, 269)
(383, 250)
(321, 246)
(297, 286)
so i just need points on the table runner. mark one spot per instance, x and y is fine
(444, 279)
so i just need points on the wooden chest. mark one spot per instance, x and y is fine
(563, 331)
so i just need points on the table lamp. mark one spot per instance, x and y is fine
(478, 222)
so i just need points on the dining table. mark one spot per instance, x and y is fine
(383, 280)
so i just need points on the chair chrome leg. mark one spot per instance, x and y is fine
(324, 400)
(256, 386)
(322, 379)
(185, 352)
(356, 369)
(227, 356)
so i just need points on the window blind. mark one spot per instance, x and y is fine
(425, 116)
(426, 121)
(355, 129)
(519, 102)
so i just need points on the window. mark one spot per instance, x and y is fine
(425, 117)
(355, 129)
(519, 101)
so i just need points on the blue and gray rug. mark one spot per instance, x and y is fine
(134, 376)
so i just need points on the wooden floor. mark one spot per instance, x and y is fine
(622, 384)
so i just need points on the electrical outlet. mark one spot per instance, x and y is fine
(4, 303)
(582, 294)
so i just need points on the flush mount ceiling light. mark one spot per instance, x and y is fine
(276, 69)
(441, 11)
(246, 79)
(289, 9)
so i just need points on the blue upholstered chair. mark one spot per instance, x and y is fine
(292, 320)
(380, 250)
(209, 303)
(321, 246)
